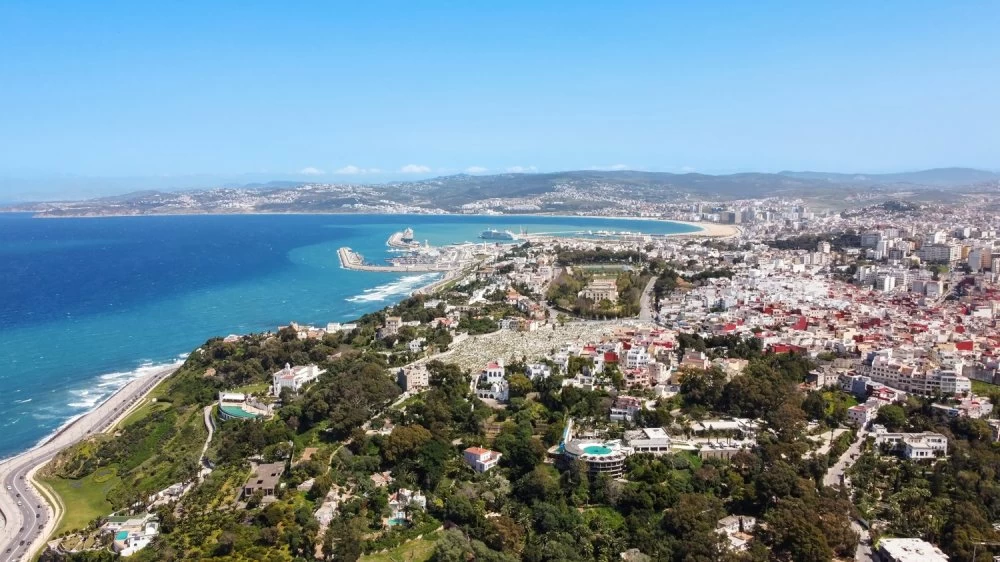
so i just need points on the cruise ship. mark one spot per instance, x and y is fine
(494, 234)
(402, 240)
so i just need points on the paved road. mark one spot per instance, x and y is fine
(834, 477)
(864, 551)
(646, 303)
(29, 519)
(835, 474)
(206, 468)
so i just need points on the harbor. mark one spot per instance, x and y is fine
(424, 260)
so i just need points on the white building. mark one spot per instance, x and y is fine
(294, 378)
(481, 460)
(132, 533)
(412, 379)
(909, 550)
(914, 446)
(943, 253)
(636, 358)
(863, 414)
(625, 408)
(652, 440)
(536, 371)
(493, 372)
(404, 500)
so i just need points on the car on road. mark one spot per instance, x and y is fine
(19, 504)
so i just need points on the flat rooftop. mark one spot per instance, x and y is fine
(911, 550)
(655, 433)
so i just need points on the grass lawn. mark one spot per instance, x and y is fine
(983, 388)
(833, 398)
(417, 550)
(142, 411)
(256, 388)
(84, 500)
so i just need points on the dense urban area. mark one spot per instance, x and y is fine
(818, 385)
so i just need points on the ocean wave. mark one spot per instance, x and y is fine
(25, 401)
(87, 399)
(109, 383)
(401, 286)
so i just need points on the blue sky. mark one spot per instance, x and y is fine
(105, 96)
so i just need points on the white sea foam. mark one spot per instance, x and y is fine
(25, 401)
(401, 286)
(89, 398)
(109, 383)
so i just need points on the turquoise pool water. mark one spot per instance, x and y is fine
(597, 450)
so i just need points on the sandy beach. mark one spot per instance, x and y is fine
(709, 229)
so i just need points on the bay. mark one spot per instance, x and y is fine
(88, 304)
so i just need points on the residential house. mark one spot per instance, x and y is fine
(264, 478)
(481, 460)
(625, 408)
(413, 379)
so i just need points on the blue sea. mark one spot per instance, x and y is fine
(88, 304)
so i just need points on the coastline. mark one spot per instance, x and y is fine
(19, 471)
(709, 229)
(107, 414)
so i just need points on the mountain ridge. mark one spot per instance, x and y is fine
(573, 190)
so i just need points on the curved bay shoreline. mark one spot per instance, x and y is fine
(19, 470)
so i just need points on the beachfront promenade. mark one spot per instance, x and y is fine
(27, 526)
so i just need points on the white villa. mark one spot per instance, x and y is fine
(294, 378)
(132, 534)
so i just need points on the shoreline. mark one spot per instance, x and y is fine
(709, 229)
(112, 410)
(21, 469)
(35, 214)
(706, 229)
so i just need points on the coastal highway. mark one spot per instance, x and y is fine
(29, 519)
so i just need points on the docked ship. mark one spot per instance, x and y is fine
(494, 234)
(402, 240)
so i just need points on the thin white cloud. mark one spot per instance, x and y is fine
(612, 168)
(352, 170)
(414, 169)
(310, 171)
(521, 169)
(687, 169)
(476, 170)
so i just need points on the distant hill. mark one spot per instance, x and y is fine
(571, 191)
(936, 177)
